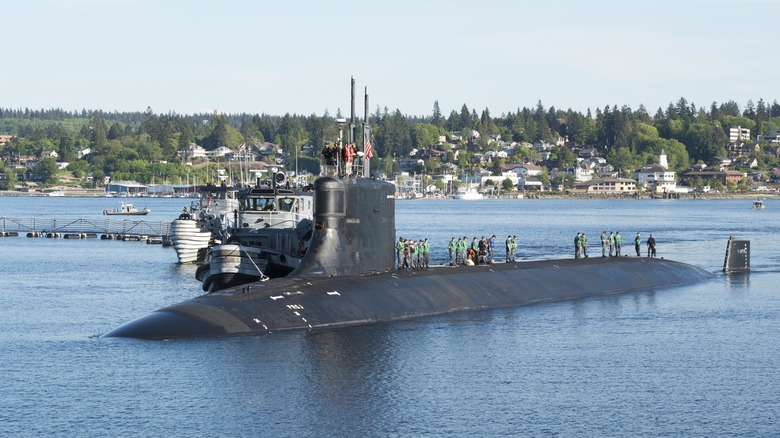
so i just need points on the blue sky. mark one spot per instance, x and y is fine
(294, 56)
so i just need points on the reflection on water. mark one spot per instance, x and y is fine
(697, 360)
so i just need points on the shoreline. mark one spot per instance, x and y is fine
(540, 196)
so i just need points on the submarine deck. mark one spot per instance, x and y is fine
(319, 303)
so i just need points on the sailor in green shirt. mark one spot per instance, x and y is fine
(611, 242)
(452, 247)
(618, 244)
(462, 250)
(426, 253)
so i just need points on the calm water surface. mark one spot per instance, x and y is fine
(694, 361)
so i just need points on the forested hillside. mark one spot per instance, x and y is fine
(146, 147)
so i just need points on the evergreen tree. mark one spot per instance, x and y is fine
(465, 118)
(437, 119)
(219, 134)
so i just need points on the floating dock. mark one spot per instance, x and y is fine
(69, 228)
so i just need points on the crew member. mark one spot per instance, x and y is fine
(399, 252)
(508, 244)
(618, 244)
(452, 247)
(348, 155)
(637, 242)
(584, 245)
(426, 253)
(651, 246)
(419, 249)
(611, 242)
(577, 246)
(604, 243)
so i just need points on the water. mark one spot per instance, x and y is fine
(696, 361)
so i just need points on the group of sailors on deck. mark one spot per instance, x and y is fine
(611, 245)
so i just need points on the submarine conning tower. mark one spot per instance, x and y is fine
(354, 228)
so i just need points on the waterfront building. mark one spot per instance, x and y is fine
(657, 177)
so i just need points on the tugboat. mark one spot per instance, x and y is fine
(272, 228)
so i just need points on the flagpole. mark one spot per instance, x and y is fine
(366, 139)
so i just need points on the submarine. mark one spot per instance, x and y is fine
(348, 277)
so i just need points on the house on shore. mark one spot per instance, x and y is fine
(608, 186)
(657, 177)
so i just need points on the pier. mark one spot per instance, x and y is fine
(106, 229)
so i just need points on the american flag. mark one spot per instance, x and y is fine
(367, 149)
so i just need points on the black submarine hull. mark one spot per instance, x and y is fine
(311, 304)
(348, 277)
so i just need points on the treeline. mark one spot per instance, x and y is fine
(125, 144)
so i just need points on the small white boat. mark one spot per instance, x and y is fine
(126, 209)
(56, 193)
(469, 195)
(758, 204)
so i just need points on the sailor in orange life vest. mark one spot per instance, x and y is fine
(349, 154)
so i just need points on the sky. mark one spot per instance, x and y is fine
(297, 56)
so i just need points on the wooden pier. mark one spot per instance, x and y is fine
(106, 229)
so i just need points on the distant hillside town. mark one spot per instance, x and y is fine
(612, 151)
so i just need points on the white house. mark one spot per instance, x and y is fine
(608, 185)
(499, 179)
(220, 151)
(580, 174)
(195, 151)
(656, 177)
(496, 154)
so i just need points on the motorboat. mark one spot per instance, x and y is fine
(126, 209)
(758, 204)
(469, 195)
